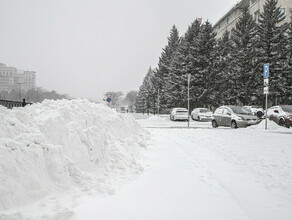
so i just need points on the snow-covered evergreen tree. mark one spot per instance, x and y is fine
(288, 97)
(147, 97)
(203, 67)
(164, 66)
(224, 89)
(243, 39)
(272, 49)
(181, 66)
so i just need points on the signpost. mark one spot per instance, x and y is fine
(266, 89)
(189, 79)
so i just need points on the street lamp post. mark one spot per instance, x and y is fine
(20, 83)
(189, 79)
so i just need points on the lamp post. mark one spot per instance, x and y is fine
(189, 79)
(20, 83)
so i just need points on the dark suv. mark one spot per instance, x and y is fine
(233, 116)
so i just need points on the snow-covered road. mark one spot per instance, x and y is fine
(204, 173)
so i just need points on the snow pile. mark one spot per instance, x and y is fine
(271, 126)
(54, 145)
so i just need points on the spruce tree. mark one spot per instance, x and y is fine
(204, 68)
(224, 90)
(272, 49)
(288, 96)
(243, 39)
(180, 67)
(164, 65)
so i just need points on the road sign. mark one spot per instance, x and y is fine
(266, 70)
(266, 90)
(266, 82)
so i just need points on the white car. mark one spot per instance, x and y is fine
(201, 114)
(179, 114)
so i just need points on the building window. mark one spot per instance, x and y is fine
(227, 21)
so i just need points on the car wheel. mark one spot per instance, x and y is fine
(214, 124)
(281, 122)
(199, 119)
(233, 125)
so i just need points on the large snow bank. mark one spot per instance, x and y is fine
(270, 124)
(54, 145)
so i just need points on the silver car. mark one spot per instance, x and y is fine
(233, 116)
(201, 114)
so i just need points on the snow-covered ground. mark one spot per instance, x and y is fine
(184, 173)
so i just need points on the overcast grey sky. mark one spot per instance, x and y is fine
(88, 47)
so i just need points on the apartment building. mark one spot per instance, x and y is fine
(7, 75)
(11, 78)
(228, 21)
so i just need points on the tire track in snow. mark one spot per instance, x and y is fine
(236, 179)
(211, 175)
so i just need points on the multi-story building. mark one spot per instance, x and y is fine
(228, 21)
(11, 78)
(7, 76)
(25, 80)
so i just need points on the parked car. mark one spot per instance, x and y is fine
(123, 109)
(201, 114)
(179, 114)
(255, 110)
(281, 114)
(233, 116)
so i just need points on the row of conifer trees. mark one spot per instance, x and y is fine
(228, 70)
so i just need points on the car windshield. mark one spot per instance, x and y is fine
(240, 110)
(204, 110)
(287, 108)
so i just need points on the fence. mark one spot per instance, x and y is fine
(10, 104)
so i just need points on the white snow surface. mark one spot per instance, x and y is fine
(185, 173)
(52, 146)
(204, 173)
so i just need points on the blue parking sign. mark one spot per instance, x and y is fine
(266, 70)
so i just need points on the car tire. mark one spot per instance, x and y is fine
(214, 124)
(199, 119)
(233, 125)
(281, 122)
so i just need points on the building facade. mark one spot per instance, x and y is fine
(228, 21)
(13, 79)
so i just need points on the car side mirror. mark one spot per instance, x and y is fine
(228, 113)
(276, 111)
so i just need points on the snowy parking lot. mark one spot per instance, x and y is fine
(186, 173)
(205, 173)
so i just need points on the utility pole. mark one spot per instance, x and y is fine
(266, 90)
(158, 103)
(189, 79)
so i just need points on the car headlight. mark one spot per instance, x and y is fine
(290, 117)
(240, 118)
